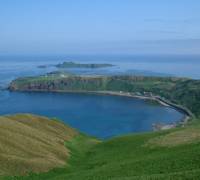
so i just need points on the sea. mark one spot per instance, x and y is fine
(101, 116)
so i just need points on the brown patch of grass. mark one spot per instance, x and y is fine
(185, 136)
(30, 143)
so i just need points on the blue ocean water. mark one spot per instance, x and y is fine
(98, 115)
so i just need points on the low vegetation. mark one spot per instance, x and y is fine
(140, 156)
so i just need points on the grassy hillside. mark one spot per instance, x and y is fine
(172, 154)
(185, 92)
(31, 143)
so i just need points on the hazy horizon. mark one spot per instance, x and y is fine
(100, 27)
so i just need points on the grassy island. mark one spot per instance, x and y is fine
(79, 65)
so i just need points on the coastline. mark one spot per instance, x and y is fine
(187, 114)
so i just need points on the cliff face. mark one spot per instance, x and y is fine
(68, 83)
(89, 83)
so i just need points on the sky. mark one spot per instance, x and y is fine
(99, 27)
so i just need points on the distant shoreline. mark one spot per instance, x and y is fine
(183, 110)
(187, 114)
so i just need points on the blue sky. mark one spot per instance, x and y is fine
(99, 26)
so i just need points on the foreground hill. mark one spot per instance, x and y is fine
(171, 154)
(30, 143)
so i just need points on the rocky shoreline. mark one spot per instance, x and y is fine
(156, 127)
(186, 112)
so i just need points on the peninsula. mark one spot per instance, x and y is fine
(180, 91)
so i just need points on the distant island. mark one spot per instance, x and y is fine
(71, 64)
(79, 65)
(43, 66)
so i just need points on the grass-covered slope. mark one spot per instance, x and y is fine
(164, 155)
(172, 154)
(30, 143)
(34, 147)
(185, 92)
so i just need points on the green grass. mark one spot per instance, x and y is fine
(140, 156)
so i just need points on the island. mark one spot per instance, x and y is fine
(79, 65)
(45, 66)
(42, 66)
